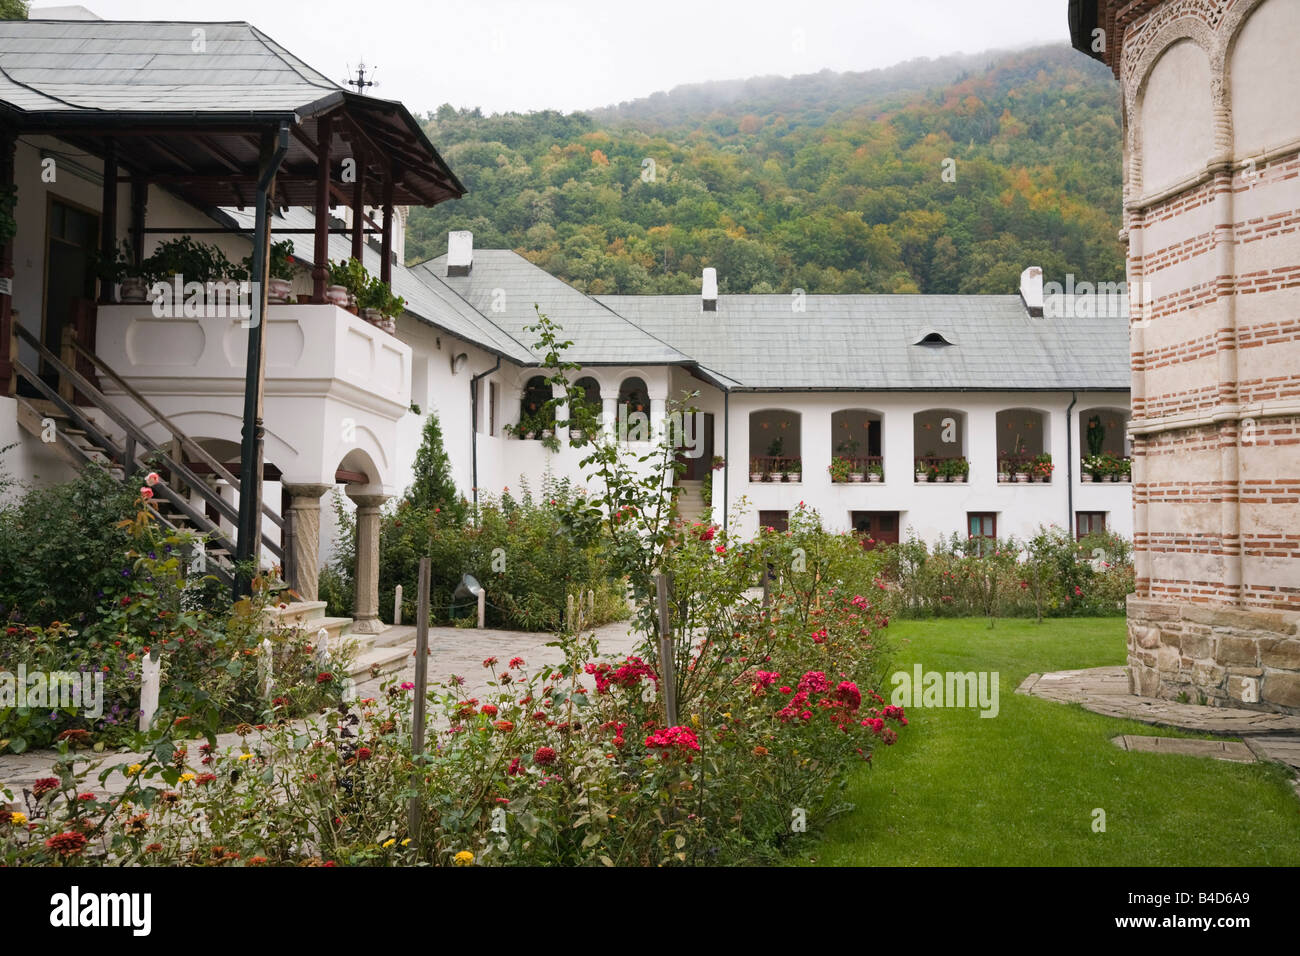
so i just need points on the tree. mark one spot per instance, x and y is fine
(13, 9)
(434, 487)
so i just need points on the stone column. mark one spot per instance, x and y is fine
(304, 509)
(366, 615)
(609, 416)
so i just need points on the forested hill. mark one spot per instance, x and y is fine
(833, 182)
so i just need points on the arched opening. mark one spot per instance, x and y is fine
(536, 414)
(633, 410)
(775, 445)
(939, 444)
(1022, 443)
(1103, 444)
(857, 445)
(584, 413)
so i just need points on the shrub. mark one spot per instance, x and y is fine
(61, 545)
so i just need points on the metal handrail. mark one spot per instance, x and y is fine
(134, 435)
(185, 441)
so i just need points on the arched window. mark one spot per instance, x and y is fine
(1023, 443)
(1103, 444)
(775, 445)
(857, 437)
(633, 410)
(535, 413)
(939, 444)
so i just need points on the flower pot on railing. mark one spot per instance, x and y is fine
(134, 289)
(277, 291)
(755, 476)
(373, 316)
(922, 475)
(1004, 476)
(1022, 477)
(856, 476)
(1085, 476)
(337, 295)
(874, 477)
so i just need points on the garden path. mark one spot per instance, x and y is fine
(458, 651)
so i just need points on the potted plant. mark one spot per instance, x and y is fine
(1125, 471)
(922, 470)
(348, 280)
(958, 469)
(755, 471)
(1004, 470)
(1042, 468)
(857, 473)
(379, 306)
(794, 470)
(1022, 470)
(1091, 468)
(839, 469)
(875, 472)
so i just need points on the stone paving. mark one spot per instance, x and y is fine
(458, 651)
(1104, 690)
(1219, 749)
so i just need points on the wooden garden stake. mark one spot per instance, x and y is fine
(667, 675)
(421, 686)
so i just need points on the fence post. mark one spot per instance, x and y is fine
(150, 683)
(266, 670)
(397, 605)
(667, 676)
(421, 685)
(482, 608)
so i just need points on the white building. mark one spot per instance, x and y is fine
(783, 382)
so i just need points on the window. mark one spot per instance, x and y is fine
(876, 527)
(776, 520)
(1089, 522)
(982, 526)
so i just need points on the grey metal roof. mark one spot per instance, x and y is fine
(504, 287)
(865, 342)
(152, 67)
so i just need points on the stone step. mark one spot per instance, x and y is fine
(1233, 750)
(397, 634)
(380, 660)
(303, 614)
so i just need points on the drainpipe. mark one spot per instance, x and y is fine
(248, 546)
(1069, 464)
(473, 427)
(726, 451)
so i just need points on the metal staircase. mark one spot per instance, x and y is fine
(183, 499)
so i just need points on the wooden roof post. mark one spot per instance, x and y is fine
(320, 272)
(108, 219)
(359, 204)
(386, 247)
(8, 140)
(139, 203)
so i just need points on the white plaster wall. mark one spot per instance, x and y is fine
(1175, 117)
(1265, 79)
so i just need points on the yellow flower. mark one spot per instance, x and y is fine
(186, 777)
(17, 819)
(243, 757)
(464, 858)
(727, 715)
(391, 842)
(134, 768)
(406, 842)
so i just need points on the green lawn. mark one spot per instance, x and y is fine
(1020, 789)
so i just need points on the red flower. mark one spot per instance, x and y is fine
(44, 786)
(673, 738)
(86, 797)
(67, 844)
(516, 662)
(204, 779)
(544, 756)
(489, 709)
(515, 768)
(324, 677)
(848, 692)
(489, 661)
(363, 753)
(504, 726)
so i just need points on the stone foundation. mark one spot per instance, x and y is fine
(1215, 655)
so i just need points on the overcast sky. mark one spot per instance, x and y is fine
(575, 54)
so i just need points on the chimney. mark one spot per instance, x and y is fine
(460, 252)
(709, 290)
(1031, 290)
